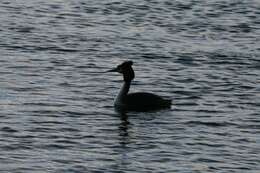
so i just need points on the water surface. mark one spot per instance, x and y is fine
(56, 105)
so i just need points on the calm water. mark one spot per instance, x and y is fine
(56, 105)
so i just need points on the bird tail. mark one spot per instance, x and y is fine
(167, 103)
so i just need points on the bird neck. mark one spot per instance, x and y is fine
(123, 92)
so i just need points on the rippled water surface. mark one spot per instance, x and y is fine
(56, 105)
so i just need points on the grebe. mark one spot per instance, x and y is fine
(136, 101)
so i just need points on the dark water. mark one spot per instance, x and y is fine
(56, 107)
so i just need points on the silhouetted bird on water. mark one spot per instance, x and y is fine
(140, 101)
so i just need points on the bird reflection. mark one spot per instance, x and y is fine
(124, 125)
(123, 148)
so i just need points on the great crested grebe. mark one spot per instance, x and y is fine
(136, 101)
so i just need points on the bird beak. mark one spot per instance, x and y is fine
(113, 70)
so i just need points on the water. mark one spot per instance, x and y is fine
(56, 105)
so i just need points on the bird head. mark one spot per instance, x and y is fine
(126, 69)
